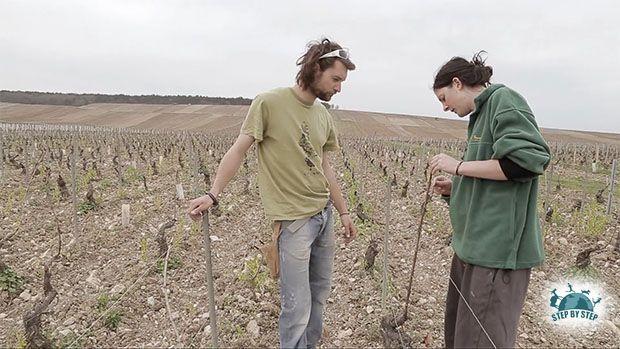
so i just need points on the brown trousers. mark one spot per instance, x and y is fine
(496, 296)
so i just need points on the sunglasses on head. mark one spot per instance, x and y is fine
(340, 53)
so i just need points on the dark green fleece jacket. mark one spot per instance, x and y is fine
(496, 223)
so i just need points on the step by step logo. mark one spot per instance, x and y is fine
(574, 303)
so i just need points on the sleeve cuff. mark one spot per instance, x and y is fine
(253, 135)
(513, 171)
(331, 148)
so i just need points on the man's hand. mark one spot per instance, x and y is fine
(199, 205)
(350, 231)
(443, 162)
(442, 185)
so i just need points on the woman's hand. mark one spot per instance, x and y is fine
(443, 162)
(442, 185)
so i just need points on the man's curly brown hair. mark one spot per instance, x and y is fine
(307, 62)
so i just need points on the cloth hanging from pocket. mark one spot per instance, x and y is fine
(270, 250)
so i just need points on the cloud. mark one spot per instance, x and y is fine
(561, 55)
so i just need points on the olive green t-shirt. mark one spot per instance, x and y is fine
(291, 137)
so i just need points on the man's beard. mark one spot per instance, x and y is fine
(322, 95)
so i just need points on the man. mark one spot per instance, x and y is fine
(297, 185)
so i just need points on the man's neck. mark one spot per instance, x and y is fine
(304, 95)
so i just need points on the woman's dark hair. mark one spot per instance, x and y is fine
(472, 73)
(305, 76)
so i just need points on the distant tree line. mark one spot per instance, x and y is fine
(78, 99)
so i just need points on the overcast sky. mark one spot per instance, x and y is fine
(563, 56)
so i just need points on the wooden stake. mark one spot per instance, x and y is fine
(574, 154)
(210, 287)
(611, 186)
(384, 284)
(597, 154)
(74, 187)
(1, 155)
(583, 194)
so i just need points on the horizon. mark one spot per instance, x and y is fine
(464, 119)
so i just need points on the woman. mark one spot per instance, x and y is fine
(492, 196)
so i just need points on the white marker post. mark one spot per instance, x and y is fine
(180, 193)
(125, 215)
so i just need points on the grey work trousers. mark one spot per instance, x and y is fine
(306, 266)
(496, 296)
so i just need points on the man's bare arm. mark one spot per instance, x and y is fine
(230, 163)
(226, 170)
(334, 188)
(350, 231)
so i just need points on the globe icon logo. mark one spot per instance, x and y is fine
(576, 301)
(575, 305)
